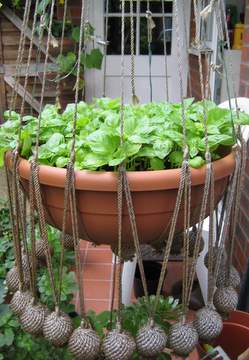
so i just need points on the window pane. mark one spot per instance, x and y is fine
(157, 36)
(156, 6)
(115, 6)
(114, 36)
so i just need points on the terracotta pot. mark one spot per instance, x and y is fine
(234, 339)
(239, 317)
(154, 196)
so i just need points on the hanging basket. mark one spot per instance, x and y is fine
(154, 196)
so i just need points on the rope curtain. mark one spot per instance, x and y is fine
(223, 235)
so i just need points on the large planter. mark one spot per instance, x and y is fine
(154, 196)
(235, 334)
(234, 339)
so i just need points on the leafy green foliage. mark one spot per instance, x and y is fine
(6, 248)
(93, 60)
(152, 133)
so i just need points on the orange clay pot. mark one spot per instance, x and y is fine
(154, 196)
(234, 339)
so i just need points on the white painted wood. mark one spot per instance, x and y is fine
(128, 274)
(232, 58)
(94, 78)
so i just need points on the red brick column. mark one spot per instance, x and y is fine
(241, 251)
(244, 67)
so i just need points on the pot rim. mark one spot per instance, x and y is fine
(139, 180)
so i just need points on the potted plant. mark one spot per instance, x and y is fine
(152, 151)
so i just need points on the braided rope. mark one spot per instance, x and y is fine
(150, 26)
(105, 47)
(20, 54)
(38, 53)
(61, 46)
(27, 67)
(165, 52)
(135, 99)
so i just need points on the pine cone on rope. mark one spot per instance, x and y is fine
(192, 242)
(20, 301)
(234, 279)
(151, 341)
(118, 345)
(208, 324)
(183, 338)
(128, 251)
(215, 254)
(41, 252)
(225, 299)
(12, 279)
(84, 344)
(178, 243)
(68, 242)
(32, 319)
(57, 328)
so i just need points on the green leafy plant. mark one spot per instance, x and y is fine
(91, 57)
(6, 247)
(152, 134)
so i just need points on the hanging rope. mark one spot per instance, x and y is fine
(20, 55)
(61, 49)
(35, 170)
(228, 205)
(150, 27)
(135, 99)
(17, 202)
(105, 47)
(13, 218)
(165, 52)
(38, 53)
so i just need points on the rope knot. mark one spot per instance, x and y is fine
(148, 14)
(216, 68)
(43, 21)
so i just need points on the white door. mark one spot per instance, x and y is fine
(94, 79)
